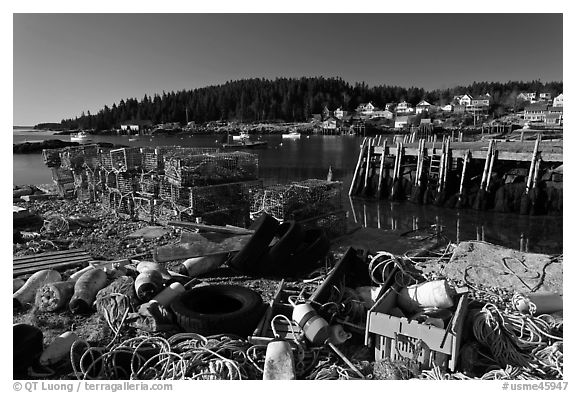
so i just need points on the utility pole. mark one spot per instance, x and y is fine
(187, 116)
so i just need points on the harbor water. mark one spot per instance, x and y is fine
(286, 160)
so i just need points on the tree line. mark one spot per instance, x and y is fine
(286, 99)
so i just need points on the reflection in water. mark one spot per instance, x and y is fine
(294, 160)
(526, 233)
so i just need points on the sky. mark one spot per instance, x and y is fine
(66, 64)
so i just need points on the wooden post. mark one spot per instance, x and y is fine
(486, 164)
(396, 162)
(381, 174)
(353, 210)
(446, 164)
(464, 165)
(358, 165)
(419, 174)
(368, 158)
(532, 164)
(492, 159)
(442, 167)
(521, 136)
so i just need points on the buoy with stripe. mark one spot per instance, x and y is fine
(315, 328)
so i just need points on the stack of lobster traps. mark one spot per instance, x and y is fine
(212, 187)
(162, 183)
(314, 203)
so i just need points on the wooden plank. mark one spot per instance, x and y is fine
(49, 254)
(33, 269)
(212, 228)
(52, 261)
(368, 164)
(54, 258)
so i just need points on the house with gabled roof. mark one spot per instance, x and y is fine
(404, 107)
(423, 106)
(558, 100)
(365, 108)
(535, 112)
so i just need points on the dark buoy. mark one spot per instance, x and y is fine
(329, 176)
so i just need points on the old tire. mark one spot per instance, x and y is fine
(248, 258)
(290, 235)
(218, 309)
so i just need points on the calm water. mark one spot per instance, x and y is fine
(310, 157)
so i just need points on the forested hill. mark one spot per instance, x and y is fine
(287, 99)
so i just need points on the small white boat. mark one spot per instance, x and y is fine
(292, 135)
(79, 137)
(243, 135)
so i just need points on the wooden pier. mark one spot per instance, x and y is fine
(428, 170)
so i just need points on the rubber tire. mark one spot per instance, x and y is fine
(248, 258)
(315, 247)
(291, 235)
(241, 309)
(27, 348)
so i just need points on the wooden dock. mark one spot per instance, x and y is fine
(428, 170)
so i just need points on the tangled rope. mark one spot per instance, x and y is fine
(520, 340)
(182, 356)
(383, 263)
(55, 225)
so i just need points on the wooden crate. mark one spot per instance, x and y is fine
(398, 337)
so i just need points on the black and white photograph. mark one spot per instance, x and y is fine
(300, 194)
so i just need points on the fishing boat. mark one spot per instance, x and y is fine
(243, 136)
(245, 145)
(79, 137)
(293, 134)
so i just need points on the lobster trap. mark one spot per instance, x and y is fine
(114, 200)
(126, 159)
(104, 159)
(228, 196)
(62, 175)
(51, 158)
(210, 169)
(148, 209)
(149, 184)
(334, 224)
(86, 193)
(75, 157)
(153, 158)
(299, 200)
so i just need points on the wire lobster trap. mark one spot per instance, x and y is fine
(126, 159)
(51, 157)
(62, 175)
(80, 178)
(149, 184)
(299, 200)
(127, 182)
(210, 169)
(229, 196)
(104, 159)
(238, 216)
(75, 157)
(334, 224)
(86, 193)
(153, 158)
(147, 208)
(114, 200)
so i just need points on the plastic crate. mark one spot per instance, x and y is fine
(398, 337)
(51, 157)
(126, 159)
(210, 169)
(299, 200)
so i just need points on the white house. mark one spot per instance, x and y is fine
(329, 124)
(465, 99)
(390, 106)
(527, 97)
(558, 100)
(404, 107)
(365, 109)
(545, 96)
(401, 121)
(447, 108)
(339, 113)
(423, 106)
(130, 127)
(535, 112)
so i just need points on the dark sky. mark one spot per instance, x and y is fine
(68, 63)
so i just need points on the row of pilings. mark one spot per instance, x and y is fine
(434, 177)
